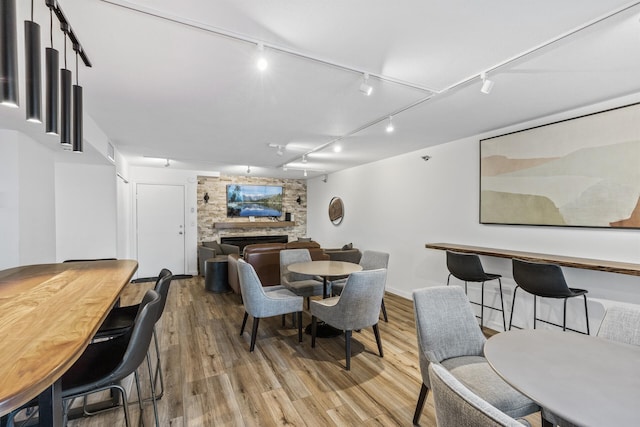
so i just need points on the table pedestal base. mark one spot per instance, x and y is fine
(323, 330)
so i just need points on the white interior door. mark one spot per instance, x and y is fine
(160, 229)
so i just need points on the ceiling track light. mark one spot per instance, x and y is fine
(65, 98)
(33, 83)
(77, 135)
(365, 87)
(305, 172)
(248, 169)
(304, 158)
(261, 62)
(337, 148)
(51, 84)
(487, 84)
(9, 52)
(167, 164)
(390, 128)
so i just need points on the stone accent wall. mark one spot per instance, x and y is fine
(216, 209)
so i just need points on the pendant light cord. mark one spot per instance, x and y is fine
(51, 26)
(65, 50)
(31, 10)
(77, 83)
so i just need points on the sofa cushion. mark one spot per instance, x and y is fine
(213, 245)
(302, 245)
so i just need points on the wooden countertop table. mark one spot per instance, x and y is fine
(565, 261)
(586, 380)
(48, 315)
(325, 269)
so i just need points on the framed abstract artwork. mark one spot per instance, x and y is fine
(581, 172)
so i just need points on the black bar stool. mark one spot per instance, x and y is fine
(468, 268)
(545, 280)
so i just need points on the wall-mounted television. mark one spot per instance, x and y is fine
(254, 200)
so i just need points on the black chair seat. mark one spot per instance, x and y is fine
(95, 364)
(119, 321)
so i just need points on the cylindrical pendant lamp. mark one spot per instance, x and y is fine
(33, 82)
(77, 119)
(65, 108)
(52, 88)
(8, 54)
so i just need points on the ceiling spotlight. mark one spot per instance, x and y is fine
(261, 63)
(365, 87)
(284, 168)
(487, 84)
(167, 164)
(304, 158)
(337, 148)
(390, 128)
(248, 169)
(305, 172)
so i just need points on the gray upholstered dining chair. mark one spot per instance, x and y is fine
(260, 304)
(300, 284)
(621, 323)
(371, 260)
(448, 334)
(358, 307)
(457, 406)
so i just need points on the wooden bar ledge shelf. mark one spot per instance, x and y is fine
(565, 261)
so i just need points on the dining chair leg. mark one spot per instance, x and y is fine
(376, 332)
(158, 373)
(314, 328)
(299, 326)
(482, 305)
(153, 393)
(138, 389)
(244, 322)
(284, 320)
(448, 277)
(254, 333)
(586, 314)
(513, 303)
(504, 322)
(384, 311)
(347, 348)
(564, 315)
(535, 311)
(424, 391)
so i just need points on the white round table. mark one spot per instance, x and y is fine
(586, 380)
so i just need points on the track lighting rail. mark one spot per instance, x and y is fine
(66, 27)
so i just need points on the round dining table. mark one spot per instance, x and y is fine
(586, 380)
(324, 269)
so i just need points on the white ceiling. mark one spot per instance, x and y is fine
(177, 79)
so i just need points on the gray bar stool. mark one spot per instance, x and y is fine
(468, 268)
(545, 280)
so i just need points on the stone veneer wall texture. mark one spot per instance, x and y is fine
(216, 209)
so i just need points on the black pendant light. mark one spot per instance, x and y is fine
(9, 52)
(51, 85)
(33, 70)
(65, 99)
(77, 110)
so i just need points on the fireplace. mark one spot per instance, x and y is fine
(242, 241)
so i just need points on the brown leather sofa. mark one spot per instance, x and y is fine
(265, 259)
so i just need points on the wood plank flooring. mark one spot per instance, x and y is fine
(211, 379)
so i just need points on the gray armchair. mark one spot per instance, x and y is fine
(448, 334)
(259, 303)
(371, 260)
(300, 284)
(214, 249)
(457, 406)
(358, 307)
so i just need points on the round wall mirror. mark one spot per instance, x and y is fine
(336, 210)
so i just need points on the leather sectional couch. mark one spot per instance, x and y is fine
(265, 259)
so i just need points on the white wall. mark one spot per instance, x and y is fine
(27, 219)
(400, 204)
(85, 206)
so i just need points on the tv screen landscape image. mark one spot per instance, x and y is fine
(254, 200)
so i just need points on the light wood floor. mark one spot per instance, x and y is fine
(213, 380)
